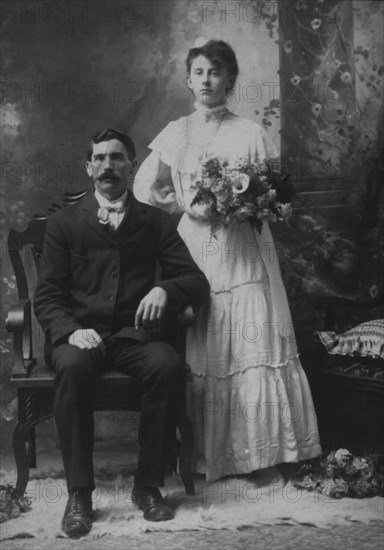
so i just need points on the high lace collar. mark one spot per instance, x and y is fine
(211, 113)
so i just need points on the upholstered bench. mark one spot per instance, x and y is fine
(348, 382)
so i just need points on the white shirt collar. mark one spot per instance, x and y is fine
(104, 203)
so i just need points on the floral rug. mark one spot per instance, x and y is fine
(227, 504)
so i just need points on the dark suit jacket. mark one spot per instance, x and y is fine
(91, 277)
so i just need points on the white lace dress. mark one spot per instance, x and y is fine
(250, 403)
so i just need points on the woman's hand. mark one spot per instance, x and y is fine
(199, 211)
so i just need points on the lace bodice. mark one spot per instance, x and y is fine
(167, 177)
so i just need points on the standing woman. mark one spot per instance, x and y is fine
(251, 404)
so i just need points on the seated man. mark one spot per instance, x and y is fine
(97, 300)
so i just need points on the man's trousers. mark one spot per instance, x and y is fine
(160, 371)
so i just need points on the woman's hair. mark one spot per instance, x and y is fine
(218, 52)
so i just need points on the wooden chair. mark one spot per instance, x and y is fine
(33, 378)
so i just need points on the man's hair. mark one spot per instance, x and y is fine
(219, 53)
(107, 135)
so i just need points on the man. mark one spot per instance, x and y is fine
(97, 301)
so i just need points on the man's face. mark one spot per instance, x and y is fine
(110, 168)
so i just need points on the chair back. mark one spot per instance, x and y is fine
(28, 244)
(25, 249)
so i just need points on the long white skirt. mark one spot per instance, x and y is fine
(250, 401)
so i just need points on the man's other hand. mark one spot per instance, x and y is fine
(87, 339)
(151, 309)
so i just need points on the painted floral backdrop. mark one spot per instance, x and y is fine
(72, 68)
(329, 111)
(331, 69)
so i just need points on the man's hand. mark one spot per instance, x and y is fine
(87, 339)
(151, 309)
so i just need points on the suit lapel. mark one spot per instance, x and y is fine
(90, 208)
(134, 218)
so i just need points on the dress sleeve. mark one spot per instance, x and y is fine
(153, 182)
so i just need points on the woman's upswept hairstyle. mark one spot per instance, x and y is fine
(218, 52)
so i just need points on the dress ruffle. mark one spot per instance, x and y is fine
(253, 420)
(236, 332)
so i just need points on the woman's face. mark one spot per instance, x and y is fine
(208, 82)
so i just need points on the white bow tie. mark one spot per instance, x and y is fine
(116, 207)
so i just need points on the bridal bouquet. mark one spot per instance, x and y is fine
(243, 192)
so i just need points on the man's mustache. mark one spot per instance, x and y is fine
(108, 176)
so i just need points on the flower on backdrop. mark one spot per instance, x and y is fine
(316, 109)
(346, 77)
(287, 46)
(10, 284)
(373, 291)
(315, 23)
(295, 80)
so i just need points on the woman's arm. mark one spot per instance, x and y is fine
(153, 184)
(154, 181)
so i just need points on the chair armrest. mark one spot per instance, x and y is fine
(19, 322)
(187, 316)
(17, 315)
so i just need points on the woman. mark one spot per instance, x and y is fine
(251, 405)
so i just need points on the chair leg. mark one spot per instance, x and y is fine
(21, 449)
(30, 413)
(185, 456)
(32, 448)
(186, 443)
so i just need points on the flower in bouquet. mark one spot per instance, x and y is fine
(241, 183)
(242, 192)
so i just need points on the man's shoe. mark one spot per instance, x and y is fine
(77, 519)
(149, 500)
